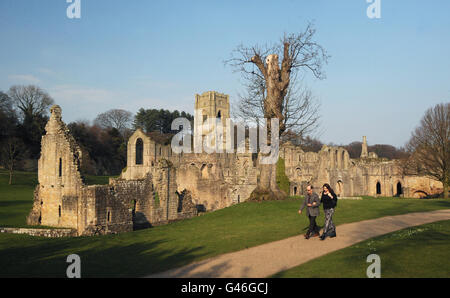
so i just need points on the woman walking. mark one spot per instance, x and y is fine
(329, 201)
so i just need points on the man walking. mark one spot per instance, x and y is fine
(312, 203)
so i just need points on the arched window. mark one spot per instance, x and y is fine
(139, 151)
(133, 207)
(399, 189)
(340, 187)
(60, 167)
(378, 188)
(204, 171)
(59, 210)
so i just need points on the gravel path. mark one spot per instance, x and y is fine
(270, 258)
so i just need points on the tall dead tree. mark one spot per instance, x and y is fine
(271, 88)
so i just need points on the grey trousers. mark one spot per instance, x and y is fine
(329, 225)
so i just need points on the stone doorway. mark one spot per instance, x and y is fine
(378, 188)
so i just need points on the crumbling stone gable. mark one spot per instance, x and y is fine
(58, 175)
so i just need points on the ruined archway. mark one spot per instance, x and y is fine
(399, 190)
(339, 188)
(420, 194)
(204, 171)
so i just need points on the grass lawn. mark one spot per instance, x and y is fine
(421, 251)
(160, 248)
(16, 200)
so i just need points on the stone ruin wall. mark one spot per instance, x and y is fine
(352, 177)
(61, 199)
(215, 181)
(60, 184)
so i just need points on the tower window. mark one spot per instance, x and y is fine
(139, 151)
(60, 167)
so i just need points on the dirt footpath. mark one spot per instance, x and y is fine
(270, 258)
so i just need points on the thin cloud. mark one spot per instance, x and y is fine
(46, 71)
(29, 79)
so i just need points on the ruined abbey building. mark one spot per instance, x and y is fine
(159, 186)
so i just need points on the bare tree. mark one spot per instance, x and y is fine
(5, 103)
(30, 100)
(115, 118)
(429, 146)
(271, 88)
(11, 152)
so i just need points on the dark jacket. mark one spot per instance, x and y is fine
(309, 199)
(328, 202)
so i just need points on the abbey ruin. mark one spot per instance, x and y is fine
(158, 186)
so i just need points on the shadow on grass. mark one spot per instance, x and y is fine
(99, 258)
(5, 204)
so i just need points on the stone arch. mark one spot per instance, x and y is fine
(219, 114)
(420, 194)
(139, 158)
(133, 208)
(204, 171)
(398, 189)
(336, 159)
(339, 188)
(295, 190)
(378, 188)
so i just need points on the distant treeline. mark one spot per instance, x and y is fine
(24, 112)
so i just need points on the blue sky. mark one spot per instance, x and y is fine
(383, 73)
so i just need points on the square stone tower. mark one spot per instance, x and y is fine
(210, 104)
